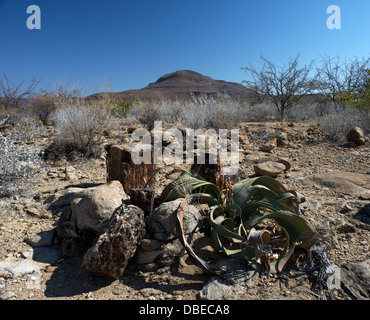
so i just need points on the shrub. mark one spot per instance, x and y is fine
(43, 106)
(260, 112)
(19, 158)
(210, 112)
(146, 112)
(121, 107)
(80, 127)
(336, 125)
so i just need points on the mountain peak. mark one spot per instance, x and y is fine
(183, 84)
(185, 75)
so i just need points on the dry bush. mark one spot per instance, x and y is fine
(145, 112)
(20, 156)
(209, 112)
(199, 112)
(335, 125)
(80, 127)
(260, 112)
(43, 107)
(171, 110)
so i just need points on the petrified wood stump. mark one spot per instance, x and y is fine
(121, 167)
(144, 199)
(110, 253)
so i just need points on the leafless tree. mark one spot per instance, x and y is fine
(336, 77)
(283, 85)
(13, 93)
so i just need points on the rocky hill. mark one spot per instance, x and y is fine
(183, 84)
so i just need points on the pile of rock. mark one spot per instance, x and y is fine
(102, 221)
(99, 217)
(161, 246)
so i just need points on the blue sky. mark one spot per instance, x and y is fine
(132, 43)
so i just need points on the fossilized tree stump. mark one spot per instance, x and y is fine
(114, 248)
(121, 167)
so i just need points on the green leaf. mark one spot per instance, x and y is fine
(220, 229)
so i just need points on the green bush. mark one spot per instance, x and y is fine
(121, 107)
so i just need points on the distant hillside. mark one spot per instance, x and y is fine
(181, 85)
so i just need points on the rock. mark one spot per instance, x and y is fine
(287, 163)
(355, 279)
(132, 128)
(216, 289)
(356, 135)
(233, 286)
(145, 257)
(149, 244)
(42, 239)
(71, 174)
(269, 145)
(111, 252)
(63, 198)
(93, 207)
(253, 157)
(17, 268)
(350, 183)
(244, 140)
(282, 139)
(269, 168)
(346, 228)
(162, 222)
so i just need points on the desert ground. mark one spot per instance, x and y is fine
(32, 266)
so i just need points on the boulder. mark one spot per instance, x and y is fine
(269, 168)
(162, 222)
(350, 183)
(92, 208)
(355, 279)
(356, 135)
(113, 249)
(63, 198)
(85, 213)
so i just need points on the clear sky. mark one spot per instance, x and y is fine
(132, 43)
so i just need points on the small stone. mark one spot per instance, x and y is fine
(269, 168)
(149, 244)
(70, 174)
(42, 239)
(287, 163)
(50, 269)
(269, 145)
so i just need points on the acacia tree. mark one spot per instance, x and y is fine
(13, 93)
(283, 85)
(335, 78)
(359, 97)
